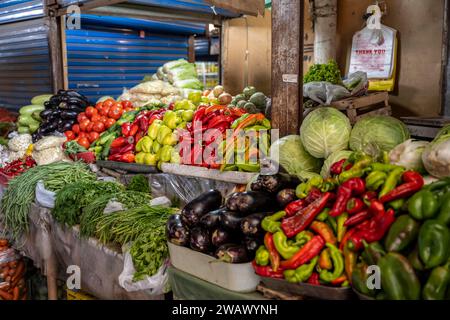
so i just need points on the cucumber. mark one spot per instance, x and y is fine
(39, 100)
(28, 110)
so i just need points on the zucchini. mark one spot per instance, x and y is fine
(28, 110)
(22, 130)
(41, 99)
(26, 120)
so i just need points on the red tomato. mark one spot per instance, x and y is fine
(76, 128)
(98, 127)
(69, 135)
(90, 112)
(83, 124)
(103, 119)
(109, 123)
(115, 112)
(93, 136)
(99, 106)
(104, 111)
(127, 104)
(96, 118)
(89, 127)
(108, 103)
(81, 116)
(82, 135)
(84, 142)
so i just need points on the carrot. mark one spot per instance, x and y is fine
(16, 293)
(3, 243)
(5, 295)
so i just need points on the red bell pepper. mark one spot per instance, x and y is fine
(295, 206)
(293, 225)
(413, 182)
(133, 130)
(122, 150)
(351, 187)
(153, 118)
(119, 142)
(273, 253)
(198, 115)
(126, 127)
(310, 250)
(267, 271)
(127, 157)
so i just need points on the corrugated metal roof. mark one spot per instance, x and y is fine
(201, 47)
(104, 60)
(18, 10)
(187, 5)
(141, 24)
(25, 69)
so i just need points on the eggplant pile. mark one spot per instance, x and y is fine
(60, 113)
(227, 229)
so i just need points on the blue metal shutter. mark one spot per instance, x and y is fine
(18, 10)
(201, 47)
(25, 68)
(106, 60)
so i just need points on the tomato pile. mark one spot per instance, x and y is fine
(94, 120)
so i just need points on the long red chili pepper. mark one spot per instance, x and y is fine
(293, 225)
(337, 167)
(267, 271)
(310, 250)
(314, 279)
(354, 205)
(357, 218)
(273, 253)
(413, 183)
(324, 231)
(295, 206)
(352, 187)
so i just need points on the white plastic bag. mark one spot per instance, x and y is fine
(161, 201)
(154, 285)
(44, 197)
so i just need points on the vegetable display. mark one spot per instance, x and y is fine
(251, 100)
(328, 72)
(12, 273)
(29, 116)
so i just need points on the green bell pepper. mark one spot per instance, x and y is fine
(402, 233)
(372, 253)
(423, 205)
(171, 119)
(359, 280)
(434, 243)
(262, 256)
(444, 214)
(323, 215)
(338, 265)
(162, 133)
(302, 273)
(414, 259)
(272, 223)
(398, 278)
(154, 128)
(284, 247)
(437, 284)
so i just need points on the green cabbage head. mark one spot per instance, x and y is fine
(292, 156)
(333, 158)
(324, 131)
(375, 134)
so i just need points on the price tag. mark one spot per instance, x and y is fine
(290, 78)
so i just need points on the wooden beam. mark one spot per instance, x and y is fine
(287, 65)
(54, 43)
(191, 49)
(250, 7)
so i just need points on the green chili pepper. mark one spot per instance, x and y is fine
(391, 181)
(271, 223)
(323, 215)
(302, 273)
(383, 167)
(262, 256)
(338, 265)
(375, 180)
(341, 229)
(302, 238)
(331, 221)
(284, 247)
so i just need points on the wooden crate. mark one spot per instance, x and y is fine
(79, 295)
(371, 104)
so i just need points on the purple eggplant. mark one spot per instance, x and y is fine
(231, 220)
(221, 236)
(176, 232)
(286, 196)
(252, 244)
(251, 225)
(197, 208)
(232, 253)
(274, 183)
(200, 240)
(249, 202)
(212, 219)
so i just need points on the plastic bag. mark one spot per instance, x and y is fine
(49, 142)
(44, 197)
(324, 92)
(357, 83)
(155, 285)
